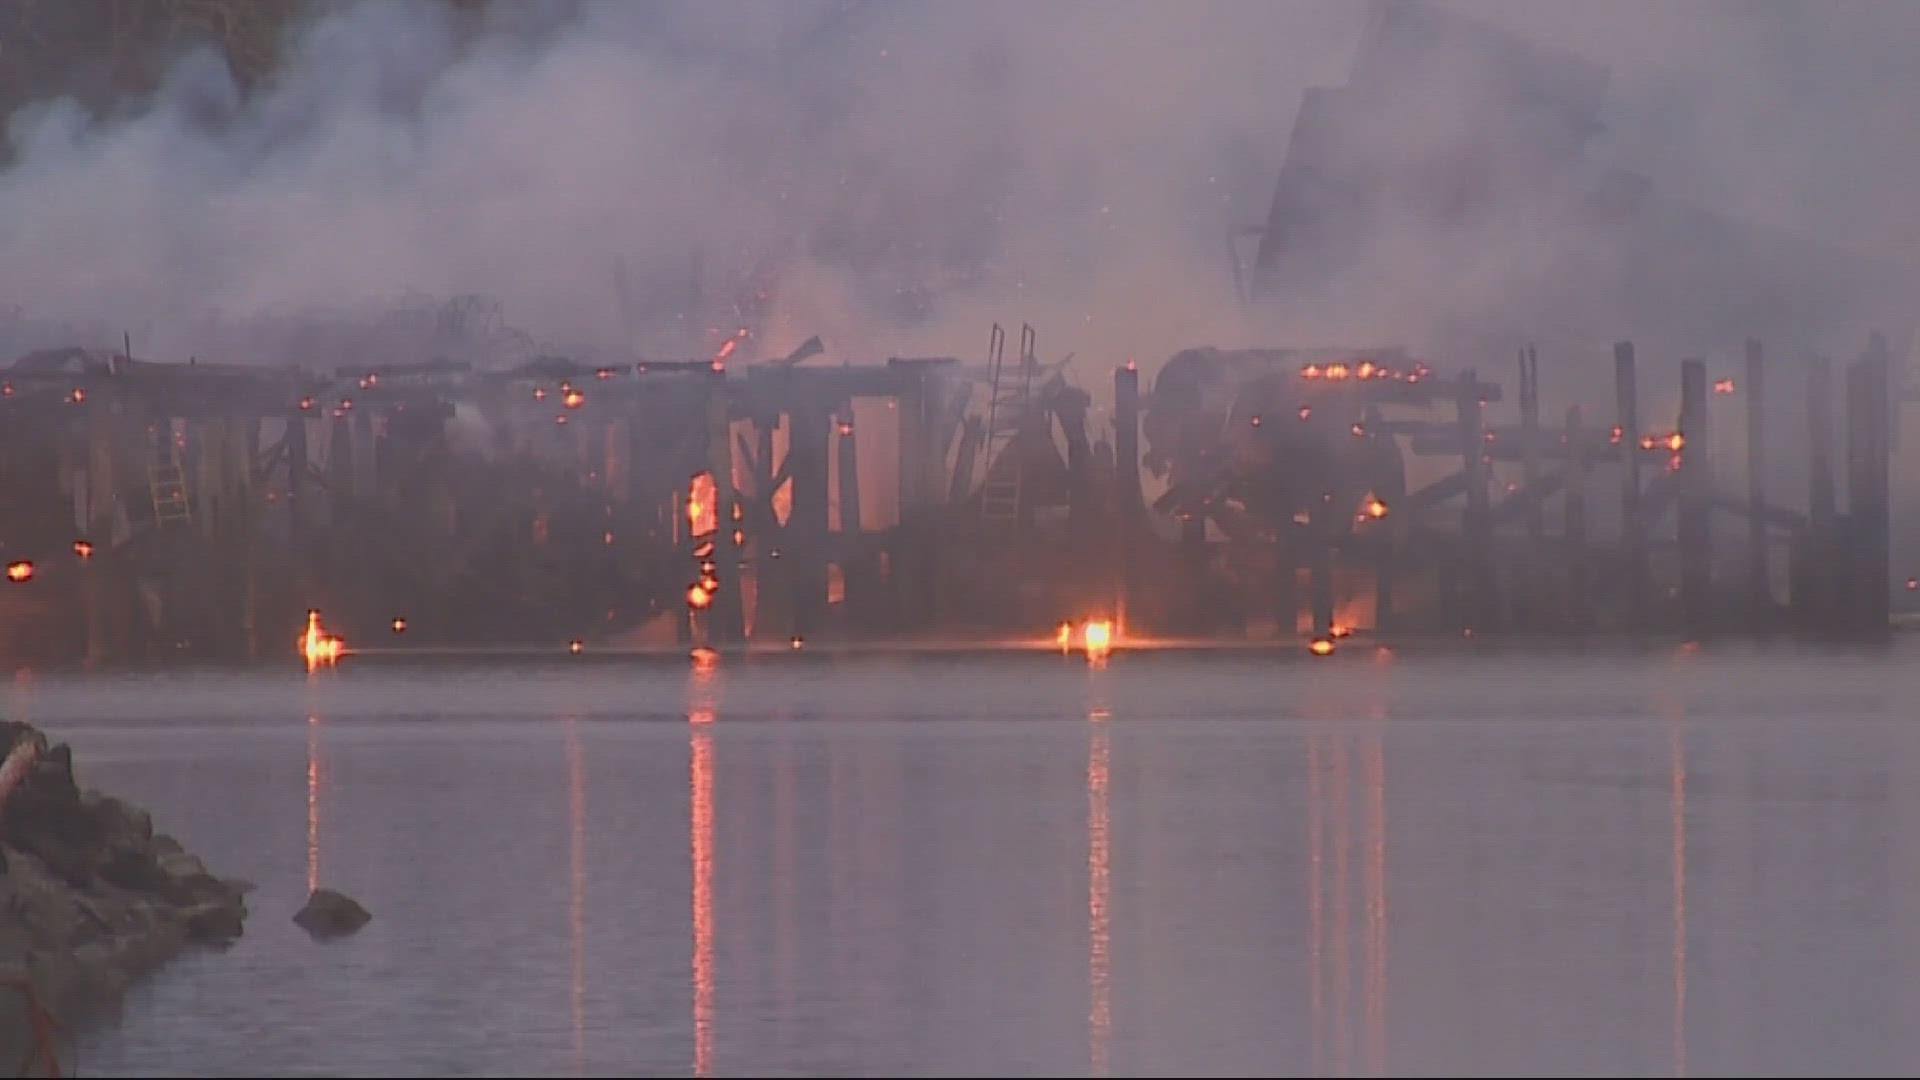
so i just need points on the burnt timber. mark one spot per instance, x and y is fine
(163, 509)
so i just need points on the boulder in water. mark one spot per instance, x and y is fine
(329, 912)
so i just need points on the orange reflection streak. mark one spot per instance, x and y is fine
(1315, 965)
(1677, 753)
(313, 804)
(1099, 993)
(577, 891)
(700, 783)
(1342, 926)
(1376, 1014)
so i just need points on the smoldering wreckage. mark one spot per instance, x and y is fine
(741, 494)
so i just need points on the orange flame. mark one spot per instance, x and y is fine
(1064, 637)
(1321, 647)
(83, 548)
(574, 399)
(20, 571)
(1337, 372)
(1311, 371)
(1097, 636)
(318, 647)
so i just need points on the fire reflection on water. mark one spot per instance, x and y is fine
(313, 803)
(577, 888)
(700, 717)
(1099, 990)
(1332, 791)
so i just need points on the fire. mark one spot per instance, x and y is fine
(1064, 637)
(1337, 372)
(1306, 413)
(1723, 386)
(1321, 647)
(1366, 369)
(1255, 421)
(1359, 432)
(79, 395)
(20, 570)
(1375, 508)
(399, 625)
(1676, 442)
(1617, 436)
(574, 399)
(539, 393)
(1311, 371)
(1339, 631)
(1097, 636)
(797, 643)
(318, 647)
(698, 598)
(83, 549)
(576, 646)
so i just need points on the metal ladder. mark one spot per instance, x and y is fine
(168, 483)
(1008, 402)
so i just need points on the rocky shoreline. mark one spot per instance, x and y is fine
(91, 897)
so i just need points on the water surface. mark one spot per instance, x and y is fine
(1650, 863)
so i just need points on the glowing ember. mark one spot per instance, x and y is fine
(1337, 372)
(1306, 413)
(1341, 632)
(698, 598)
(1375, 508)
(1097, 636)
(1913, 584)
(797, 643)
(1676, 441)
(1366, 369)
(83, 549)
(22, 570)
(1321, 647)
(574, 399)
(603, 374)
(539, 393)
(576, 646)
(1311, 371)
(1256, 421)
(318, 647)
(1723, 386)
(79, 395)
(1617, 436)
(726, 350)
(399, 625)
(306, 404)
(846, 428)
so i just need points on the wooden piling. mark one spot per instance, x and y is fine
(1483, 602)
(1759, 579)
(727, 614)
(1868, 521)
(1129, 505)
(805, 546)
(1822, 579)
(1695, 530)
(1633, 550)
(1575, 524)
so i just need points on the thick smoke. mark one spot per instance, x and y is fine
(894, 177)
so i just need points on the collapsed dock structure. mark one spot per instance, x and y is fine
(1709, 448)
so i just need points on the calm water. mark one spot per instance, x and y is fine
(1646, 864)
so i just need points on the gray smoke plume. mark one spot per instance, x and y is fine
(896, 176)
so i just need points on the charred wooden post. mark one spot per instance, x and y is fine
(1869, 446)
(1759, 580)
(1822, 512)
(1483, 602)
(1691, 465)
(1129, 504)
(727, 614)
(1530, 445)
(854, 570)
(807, 536)
(1575, 526)
(1627, 436)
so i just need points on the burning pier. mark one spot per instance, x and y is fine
(158, 509)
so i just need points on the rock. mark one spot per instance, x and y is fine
(329, 912)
